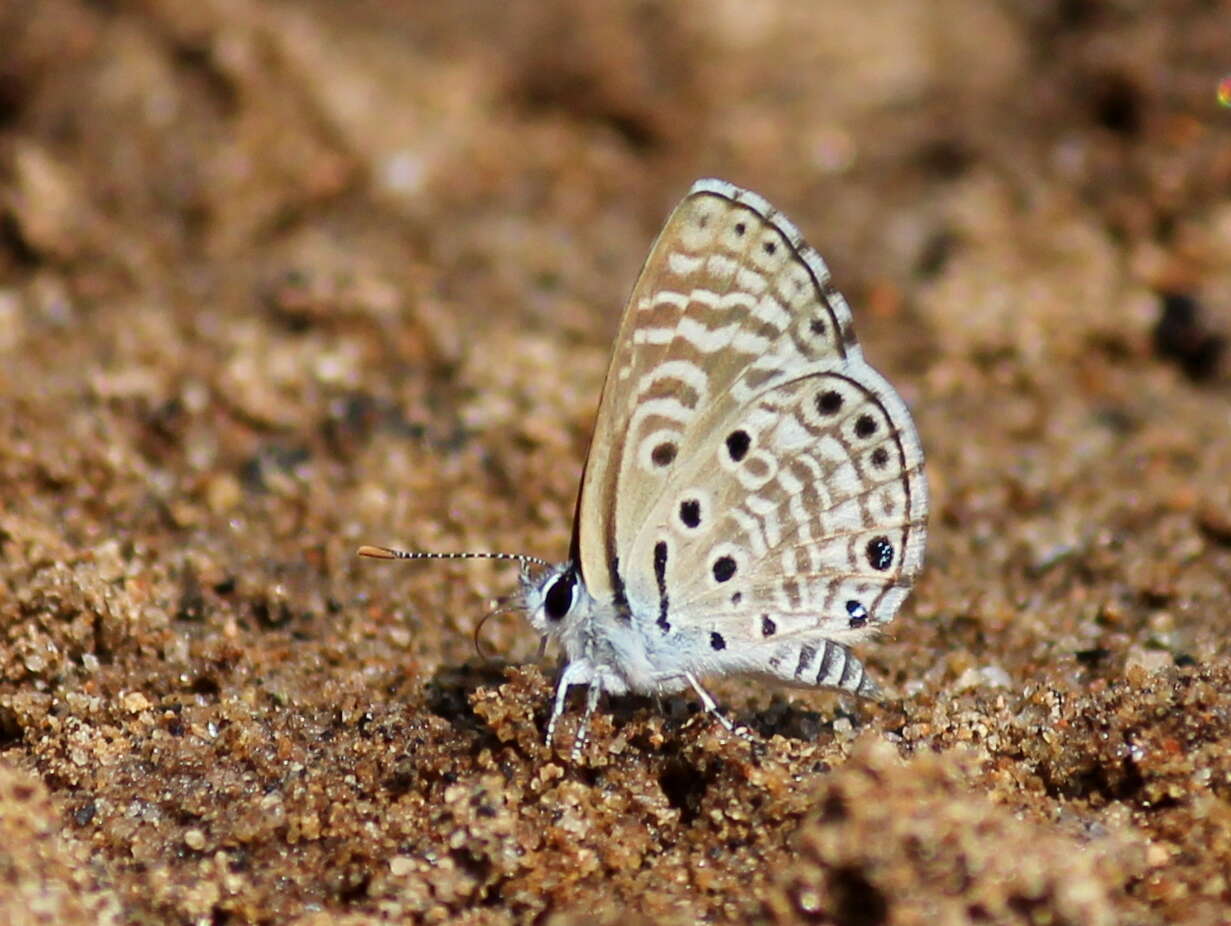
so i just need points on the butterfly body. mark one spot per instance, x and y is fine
(754, 498)
(611, 646)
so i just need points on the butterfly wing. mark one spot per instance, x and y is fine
(750, 476)
(722, 286)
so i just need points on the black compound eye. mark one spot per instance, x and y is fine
(559, 597)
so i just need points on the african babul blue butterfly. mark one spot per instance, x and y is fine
(754, 498)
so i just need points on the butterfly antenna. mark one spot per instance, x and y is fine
(387, 553)
(503, 605)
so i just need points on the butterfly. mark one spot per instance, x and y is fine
(754, 498)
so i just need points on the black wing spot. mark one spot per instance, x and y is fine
(690, 512)
(768, 627)
(770, 247)
(829, 402)
(817, 327)
(724, 568)
(660, 574)
(880, 456)
(740, 228)
(660, 564)
(716, 641)
(880, 553)
(738, 443)
(618, 592)
(865, 426)
(664, 453)
(737, 597)
(858, 614)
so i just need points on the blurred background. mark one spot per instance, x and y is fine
(277, 279)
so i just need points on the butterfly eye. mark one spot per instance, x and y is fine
(559, 597)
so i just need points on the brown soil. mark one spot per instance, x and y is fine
(278, 279)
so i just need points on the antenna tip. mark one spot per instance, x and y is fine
(376, 552)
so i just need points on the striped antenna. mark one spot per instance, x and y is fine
(386, 553)
(505, 604)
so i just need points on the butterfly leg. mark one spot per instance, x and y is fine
(577, 672)
(711, 708)
(583, 729)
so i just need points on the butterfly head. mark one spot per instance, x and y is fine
(553, 597)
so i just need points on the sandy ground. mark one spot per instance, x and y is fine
(279, 279)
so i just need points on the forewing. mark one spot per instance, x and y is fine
(731, 303)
